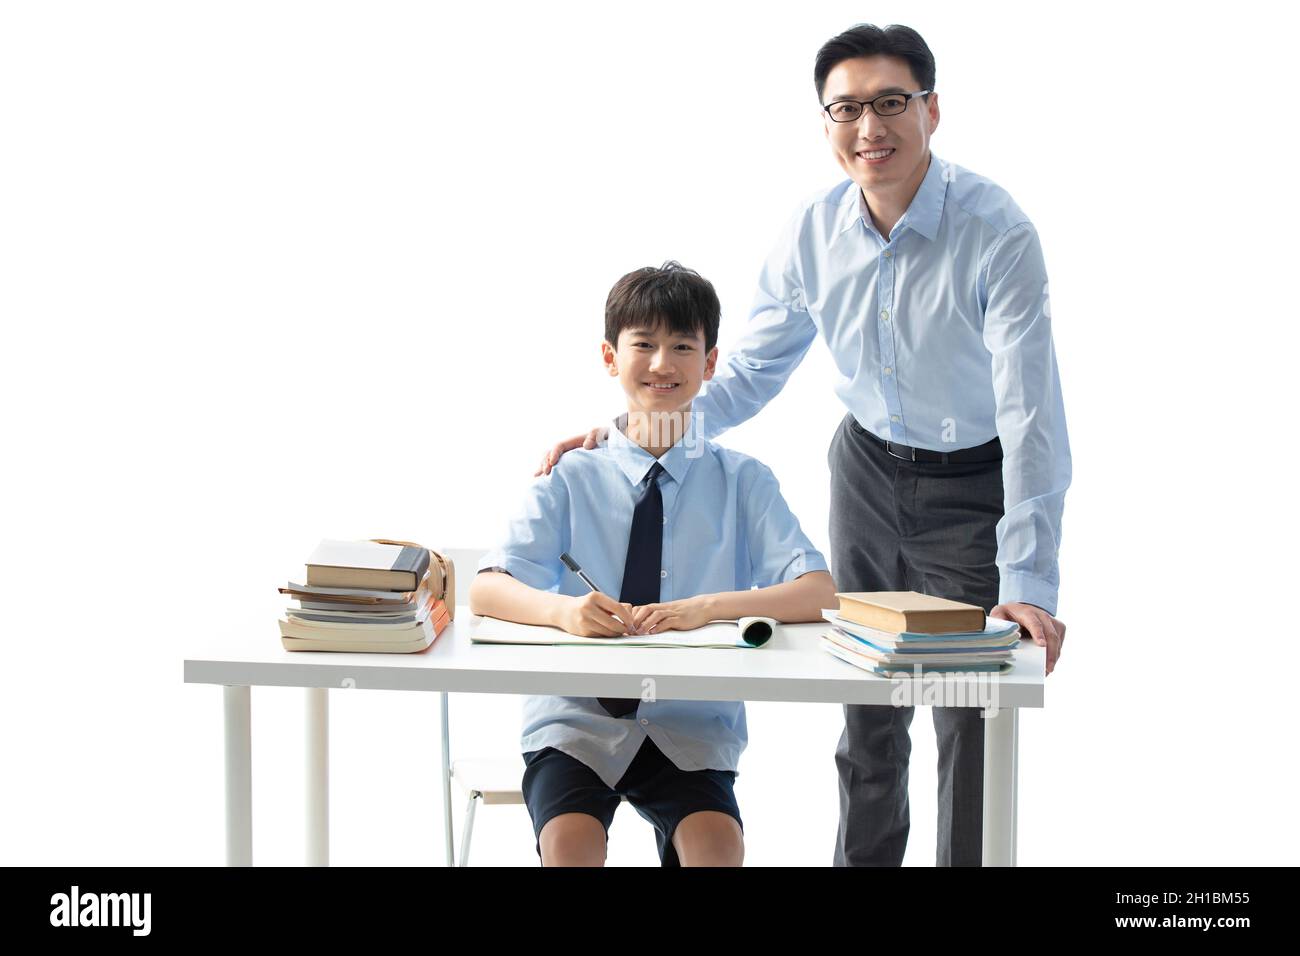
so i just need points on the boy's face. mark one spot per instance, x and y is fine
(660, 371)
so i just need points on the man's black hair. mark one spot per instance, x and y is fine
(867, 39)
(671, 297)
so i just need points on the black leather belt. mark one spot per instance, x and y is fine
(989, 451)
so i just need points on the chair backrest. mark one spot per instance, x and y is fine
(466, 561)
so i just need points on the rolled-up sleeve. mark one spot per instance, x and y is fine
(536, 534)
(1030, 418)
(779, 551)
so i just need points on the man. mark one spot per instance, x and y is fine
(948, 474)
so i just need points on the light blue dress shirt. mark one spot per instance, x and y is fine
(941, 338)
(726, 528)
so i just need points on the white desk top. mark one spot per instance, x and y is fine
(790, 667)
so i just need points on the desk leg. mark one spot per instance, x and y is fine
(446, 782)
(1001, 750)
(239, 776)
(318, 776)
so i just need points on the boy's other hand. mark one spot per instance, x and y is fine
(595, 615)
(684, 615)
(596, 436)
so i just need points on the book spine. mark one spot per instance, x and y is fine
(415, 560)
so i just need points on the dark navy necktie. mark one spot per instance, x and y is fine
(641, 571)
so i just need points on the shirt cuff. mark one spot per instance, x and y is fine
(1027, 589)
(804, 563)
(534, 575)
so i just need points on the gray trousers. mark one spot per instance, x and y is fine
(899, 525)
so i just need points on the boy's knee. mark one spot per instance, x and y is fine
(572, 839)
(709, 838)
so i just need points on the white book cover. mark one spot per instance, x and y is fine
(358, 554)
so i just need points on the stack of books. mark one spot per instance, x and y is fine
(369, 596)
(902, 633)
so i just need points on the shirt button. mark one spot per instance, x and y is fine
(663, 574)
(884, 315)
(888, 254)
(893, 418)
(888, 370)
(644, 722)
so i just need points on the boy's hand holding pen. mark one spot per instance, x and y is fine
(595, 614)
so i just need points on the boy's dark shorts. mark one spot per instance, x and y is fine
(556, 783)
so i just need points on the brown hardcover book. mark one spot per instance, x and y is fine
(900, 611)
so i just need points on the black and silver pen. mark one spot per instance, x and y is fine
(572, 565)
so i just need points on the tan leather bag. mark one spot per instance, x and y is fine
(442, 574)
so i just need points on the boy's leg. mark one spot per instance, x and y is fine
(571, 808)
(709, 838)
(952, 549)
(572, 839)
(875, 747)
(694, 812)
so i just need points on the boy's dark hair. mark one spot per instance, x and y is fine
(671, 297)
(867, 39)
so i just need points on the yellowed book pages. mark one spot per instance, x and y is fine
(298, 638)
(358, 647)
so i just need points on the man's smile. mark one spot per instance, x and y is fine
(873, 156)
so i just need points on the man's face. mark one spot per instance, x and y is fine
(660, 371)
(904, 138)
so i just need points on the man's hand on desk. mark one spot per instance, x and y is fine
(593, 615)
(589, 440)
(683, 615)
(1046, 630)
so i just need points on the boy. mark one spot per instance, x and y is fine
(680, 530)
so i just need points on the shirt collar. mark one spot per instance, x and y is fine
(922, 215)
(636, 462)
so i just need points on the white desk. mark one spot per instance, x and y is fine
(790, 668)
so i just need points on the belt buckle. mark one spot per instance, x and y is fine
(889, 447)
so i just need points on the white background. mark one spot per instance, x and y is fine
(272, 272)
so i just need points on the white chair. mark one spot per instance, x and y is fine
(493, 781)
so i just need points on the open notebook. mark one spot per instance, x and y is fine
(747, 632)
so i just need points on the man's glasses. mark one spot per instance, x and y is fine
(886, 104)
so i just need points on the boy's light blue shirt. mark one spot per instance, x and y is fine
(726, 528)
(941, 336)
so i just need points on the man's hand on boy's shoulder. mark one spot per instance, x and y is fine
(595, 615)
(684, 615)
(597, 436)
